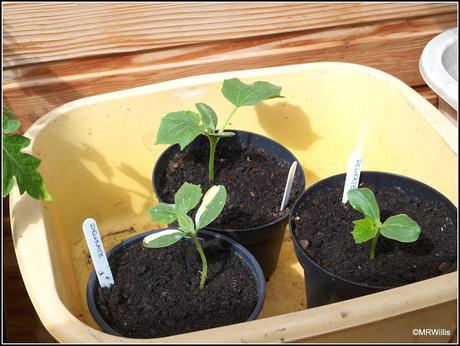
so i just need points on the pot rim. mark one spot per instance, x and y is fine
(326, 180)
(256, 228)
(250, 263)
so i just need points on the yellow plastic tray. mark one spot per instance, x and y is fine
(98, 154)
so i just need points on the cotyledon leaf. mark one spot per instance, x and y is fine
(401, 228)
(163, 238)
(363, 200)
(211, 206)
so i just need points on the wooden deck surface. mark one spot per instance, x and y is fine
(59, 52)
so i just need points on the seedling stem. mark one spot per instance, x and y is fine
(204, 272)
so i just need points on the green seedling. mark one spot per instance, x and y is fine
(398, 227)
(184, 126)
(185, 199)
(17, 165)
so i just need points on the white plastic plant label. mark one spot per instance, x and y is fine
(287, 189)
(97, 252)
(353, 172)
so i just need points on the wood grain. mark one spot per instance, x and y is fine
(58, 52)
(392, 46)
(38, 32)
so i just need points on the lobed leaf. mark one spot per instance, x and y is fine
(7, 113)
(163, 213)
(401, 228)
(211, 206)
(179, 127)
(241, 94)
(185, 222)
(10, 125)
(364, 230)
(187, 197)
(208, 116)
(363, 200)
(163, 238)
(22, 167)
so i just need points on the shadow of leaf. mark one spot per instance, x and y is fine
(287, 124)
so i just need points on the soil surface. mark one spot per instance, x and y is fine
(324, 230)
(156, 291)
(254, 180)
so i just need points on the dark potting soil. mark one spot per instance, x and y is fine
(254, 180)
(324, 230)
(156, 291)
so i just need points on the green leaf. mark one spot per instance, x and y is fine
(222, 134)
(401, 228)
(163, 238)
(241, 94)
(208, 116)
(7, 113)
(163, 213)
(187, 197)
(211, 206)
(179, 127)
(185, 222)
(23, 167)
(363, 200)
(364, 230)
(10, 125)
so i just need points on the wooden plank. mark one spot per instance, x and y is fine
(39, 32)
(392, 46)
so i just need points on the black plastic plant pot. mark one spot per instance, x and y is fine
(246, 257)
(263, 241)
(324, 287)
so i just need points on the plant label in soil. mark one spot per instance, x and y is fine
(353, 172)
(97, 252)
(287, 189)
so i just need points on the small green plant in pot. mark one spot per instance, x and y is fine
(18, 166)
(394, 231)
(156, 289)
(187, 198)
(252, 167)
(398, 227)
(184, 126)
